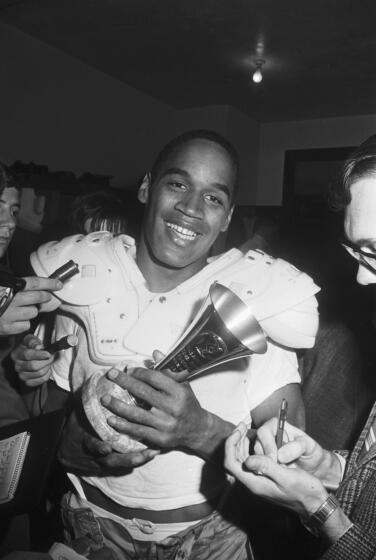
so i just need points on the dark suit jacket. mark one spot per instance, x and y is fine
(357, 496)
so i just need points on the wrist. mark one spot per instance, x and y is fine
(315, 520)
(208, 441)
(313, 502)
(329, 521)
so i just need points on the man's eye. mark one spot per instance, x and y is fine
(215, 200)
(176, 185)
(14, 212)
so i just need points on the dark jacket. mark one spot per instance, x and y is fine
(357, 496)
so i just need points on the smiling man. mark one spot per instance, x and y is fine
(166, 497)
(189, 196)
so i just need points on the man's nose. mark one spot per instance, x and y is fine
(365, 276)
(191, 205)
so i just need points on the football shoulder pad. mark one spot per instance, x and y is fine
(96, 255)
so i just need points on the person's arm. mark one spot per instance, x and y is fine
(291, 476)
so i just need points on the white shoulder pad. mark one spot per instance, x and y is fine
(94, 254)
(281, 297)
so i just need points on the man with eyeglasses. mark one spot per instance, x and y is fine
(333, 493)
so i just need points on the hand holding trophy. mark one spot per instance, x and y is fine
(223, 330)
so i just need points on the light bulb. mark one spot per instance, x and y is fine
(257, 76)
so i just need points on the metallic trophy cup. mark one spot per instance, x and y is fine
(223, 330)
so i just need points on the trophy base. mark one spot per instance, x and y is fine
(92, 391)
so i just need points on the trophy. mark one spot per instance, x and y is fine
(224, 329)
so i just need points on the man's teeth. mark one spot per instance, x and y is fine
(183, 232)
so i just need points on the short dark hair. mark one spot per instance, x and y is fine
(361, 163)
(199, 134)
(7, 180)
(103, 208)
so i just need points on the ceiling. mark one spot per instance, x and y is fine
(320, 54)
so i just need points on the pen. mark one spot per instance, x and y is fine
(62, 344)
(281, 423)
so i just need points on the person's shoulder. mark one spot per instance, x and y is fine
(96, 256)
(79, 248)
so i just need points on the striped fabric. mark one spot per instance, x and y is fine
(357, 497)
(369, 440)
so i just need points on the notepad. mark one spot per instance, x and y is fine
(12, 455)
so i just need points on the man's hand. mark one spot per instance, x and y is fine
(32, 362)
(282, 484)
(24, 306)
(175, 419)
(298, 449)
(82, 452)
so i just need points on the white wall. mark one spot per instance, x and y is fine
(275, 138)
(244, 133)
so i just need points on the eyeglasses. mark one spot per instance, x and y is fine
(366, 259)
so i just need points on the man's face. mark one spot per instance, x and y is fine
(9, 209)
(360, 223)
(188, 204)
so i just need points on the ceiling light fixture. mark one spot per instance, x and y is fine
(257, 74)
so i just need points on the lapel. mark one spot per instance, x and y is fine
(354, 456)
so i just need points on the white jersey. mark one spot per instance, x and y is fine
(120, 322)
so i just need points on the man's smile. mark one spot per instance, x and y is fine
(183, 232)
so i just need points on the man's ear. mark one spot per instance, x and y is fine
(143, 191)
(227, 220)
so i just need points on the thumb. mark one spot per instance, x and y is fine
(178, 376)
(158, 356)
(293, 450)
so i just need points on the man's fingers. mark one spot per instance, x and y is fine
(135, 431)
(96, 446)
(112, 459)
(131, 413)
(154, 378)
(263, 465)
(231, 447)
(26, 356)
(15, 328)
(266, 438)
(38, 283)
(292, 450)
(138, 385)
(30, 298)
(118, 461)
(31, 381)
